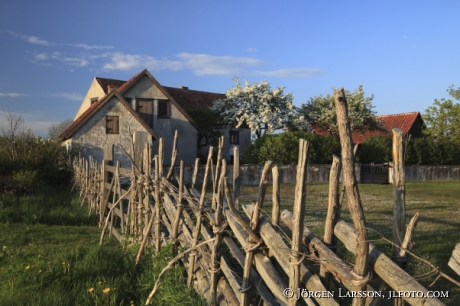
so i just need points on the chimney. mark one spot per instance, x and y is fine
(183, 87)
(111, 88)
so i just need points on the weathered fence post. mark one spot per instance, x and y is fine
(195, 172)
(333, 212)
(351, 186)
(173, 157)
(296, 256)
(236, 177)
(179, 202)
(275, 196)
(218, 229)
(215, 180)
(158, 171)
(197, 229)
(254, 225)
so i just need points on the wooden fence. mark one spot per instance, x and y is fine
(236, 256)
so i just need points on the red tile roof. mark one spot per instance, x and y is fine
(403, 121)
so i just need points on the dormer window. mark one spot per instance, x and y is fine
(94, 100)
(163, 109)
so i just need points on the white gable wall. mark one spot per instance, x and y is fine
(95, 91)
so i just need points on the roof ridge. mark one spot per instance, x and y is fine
(400, 114)
(211, 92)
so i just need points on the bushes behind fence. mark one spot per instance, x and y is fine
(283, 149)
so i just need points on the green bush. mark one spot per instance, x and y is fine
(283, 148)
(375, 149)
(30, 161)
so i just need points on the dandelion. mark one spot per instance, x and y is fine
(90, 290)
(99, 283)
(106, 290)
(27, 267)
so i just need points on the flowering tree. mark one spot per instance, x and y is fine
(320, 112)
(259, 107)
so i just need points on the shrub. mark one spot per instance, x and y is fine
(375, 149)
(283, 148)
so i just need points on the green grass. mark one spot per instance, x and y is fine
(50, 255)
(437, 232)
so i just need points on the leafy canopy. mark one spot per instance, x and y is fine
(442, 119)
(262, 109)
(320, 112)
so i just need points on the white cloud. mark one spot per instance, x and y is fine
(88, 47)
(41, 57)
(122, 61)
(70, 96)
(205, 64)
(292, 73)
(80, 61)
(12, 94)
(38, 41)
(200, 64)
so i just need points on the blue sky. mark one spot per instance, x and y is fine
(405, 53)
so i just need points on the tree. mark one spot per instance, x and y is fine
(56, 129)
(320, 112)
(210, 125)
(259, 107)
(443, 118)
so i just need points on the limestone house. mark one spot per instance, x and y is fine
(113, 110)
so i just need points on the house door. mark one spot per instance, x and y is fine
(145, 110)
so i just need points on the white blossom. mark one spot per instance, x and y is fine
(262, 109)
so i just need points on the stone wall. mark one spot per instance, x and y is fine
(431, 173)
(250, 174)
(91, 137)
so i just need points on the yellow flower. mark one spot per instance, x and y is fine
(90, 289)
(27, 267)
(39, 271)
(63, 262)
(99, 283)
(106, 290)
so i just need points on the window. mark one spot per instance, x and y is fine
(145, 111)
(234, 137)
(93, 100)
(163, 109)
(112, 125)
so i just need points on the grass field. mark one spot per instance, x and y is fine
(50, 254)
(437, 232)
